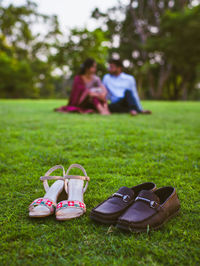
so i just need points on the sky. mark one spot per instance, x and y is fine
(71, 13)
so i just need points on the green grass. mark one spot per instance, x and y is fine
(116, 151)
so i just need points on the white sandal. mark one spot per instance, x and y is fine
(74, 206)
(46, 206)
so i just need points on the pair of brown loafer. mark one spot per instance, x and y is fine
(138, 208)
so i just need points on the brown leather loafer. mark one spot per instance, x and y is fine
(150, 209)
(111, 209)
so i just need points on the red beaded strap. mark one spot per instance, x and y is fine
(67, 204)
(43, 202)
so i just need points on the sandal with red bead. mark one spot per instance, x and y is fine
(74, 206)
(46, 206)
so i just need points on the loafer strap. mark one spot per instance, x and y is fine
(126, 198)
(153, 204)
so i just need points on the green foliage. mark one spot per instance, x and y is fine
(116, 151)
(81, 45)
(179, 41)
(178, 38)
(15, 77)
(159, 41)
(25, 70)
(147, 35)
(42, 54)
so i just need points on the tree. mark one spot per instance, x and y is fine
(179, 40)
(16, 78)
(82, 44)
(147, 35)
(135, 25)
(25, 55)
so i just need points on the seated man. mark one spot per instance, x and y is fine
(122, 91)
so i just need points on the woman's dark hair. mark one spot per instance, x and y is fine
(88, 63)
(116, 62)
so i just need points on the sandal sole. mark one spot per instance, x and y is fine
(39, 216)
(65, 219)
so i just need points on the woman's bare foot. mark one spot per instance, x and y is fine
(105, 113)
(133, 112)
(103, 110)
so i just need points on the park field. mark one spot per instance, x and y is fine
(117, 150)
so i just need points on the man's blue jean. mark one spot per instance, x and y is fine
(125, 104)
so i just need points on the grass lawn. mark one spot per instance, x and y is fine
(116, 151)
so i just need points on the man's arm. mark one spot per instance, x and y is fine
(104, 81)
(133, 87)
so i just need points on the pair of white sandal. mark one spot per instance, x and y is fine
(72, 207)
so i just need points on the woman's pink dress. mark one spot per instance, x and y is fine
(79, 100)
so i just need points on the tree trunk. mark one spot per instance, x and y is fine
(184, 90)
(151, 85)
(164, 74)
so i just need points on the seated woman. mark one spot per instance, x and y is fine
(88, 93)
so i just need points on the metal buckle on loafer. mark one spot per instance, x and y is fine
(125, 198)
(152, 203)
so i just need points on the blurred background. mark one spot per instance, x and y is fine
(44, 42)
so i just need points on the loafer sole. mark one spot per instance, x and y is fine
(98, 219)
(139, 230)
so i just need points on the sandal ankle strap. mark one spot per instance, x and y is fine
(84, 178)
(48, 177)
(75, 165)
